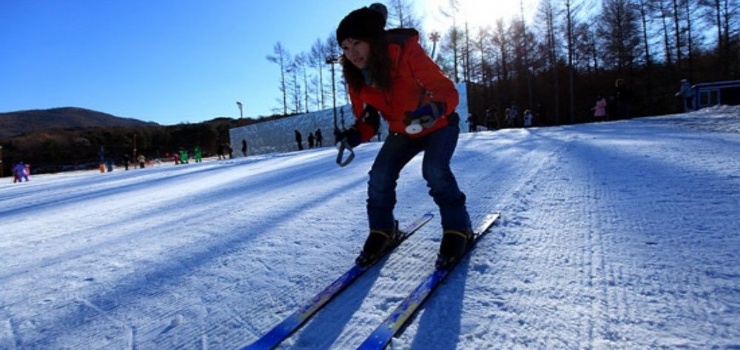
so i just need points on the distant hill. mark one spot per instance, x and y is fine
(23, 122)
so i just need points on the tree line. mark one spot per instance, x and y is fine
(553, 58)
(55, 150)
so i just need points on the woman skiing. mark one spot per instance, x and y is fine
(389, 72)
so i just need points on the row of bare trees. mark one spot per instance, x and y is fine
(552, 58)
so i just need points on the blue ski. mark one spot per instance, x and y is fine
(293, 322)
(402, 314)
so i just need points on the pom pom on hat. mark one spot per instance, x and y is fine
(364, 23)
(382, 9)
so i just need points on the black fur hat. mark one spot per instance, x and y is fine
(364, 23)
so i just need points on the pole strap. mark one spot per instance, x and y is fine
(342, 146)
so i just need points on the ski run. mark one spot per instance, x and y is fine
(291, 323)
(615, 235)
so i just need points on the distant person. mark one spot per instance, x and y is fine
(599, 108)
(142, 160)
(101, 159)
(230, 150)
(244, 147)
(494, 117)
(489, 116)
(220, 151)
(539, 112)
(514, 115)
(126, 160)
(472, 123)
(622, 97)
(20, 172)
(319, 138)
(197, 155)
(299, 140)
(686, 93)
(184, 156)
(311, 140)
(176, 157)
(528, 118)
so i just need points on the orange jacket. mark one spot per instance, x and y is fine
(416, 80)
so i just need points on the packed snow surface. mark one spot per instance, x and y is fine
(613, 235)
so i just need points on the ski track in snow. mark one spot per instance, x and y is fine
(613, 235)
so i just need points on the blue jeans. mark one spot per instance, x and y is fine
(395, 153)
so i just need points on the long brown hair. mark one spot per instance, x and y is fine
(379, 64)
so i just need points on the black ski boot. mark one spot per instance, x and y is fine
(453, 247)
(377, 243)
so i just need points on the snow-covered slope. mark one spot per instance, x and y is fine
(614, 235)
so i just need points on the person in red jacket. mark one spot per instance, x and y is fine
(389, 74)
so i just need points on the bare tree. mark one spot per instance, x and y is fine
(281, 57)
(301, 66)
(690, 6)
(295, 91)
(434, 38)
(570, 13)
(546, 15)
(643, 8)
(676, 13)
(619, 33)
(453, 43)
(401, 14)
(317, 60)
(587, 48)
(525, 39)
(500, 39)
(661, 9)
(466, 53)
(725, 16)
(483, 51)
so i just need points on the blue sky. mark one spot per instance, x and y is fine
(165, 61)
